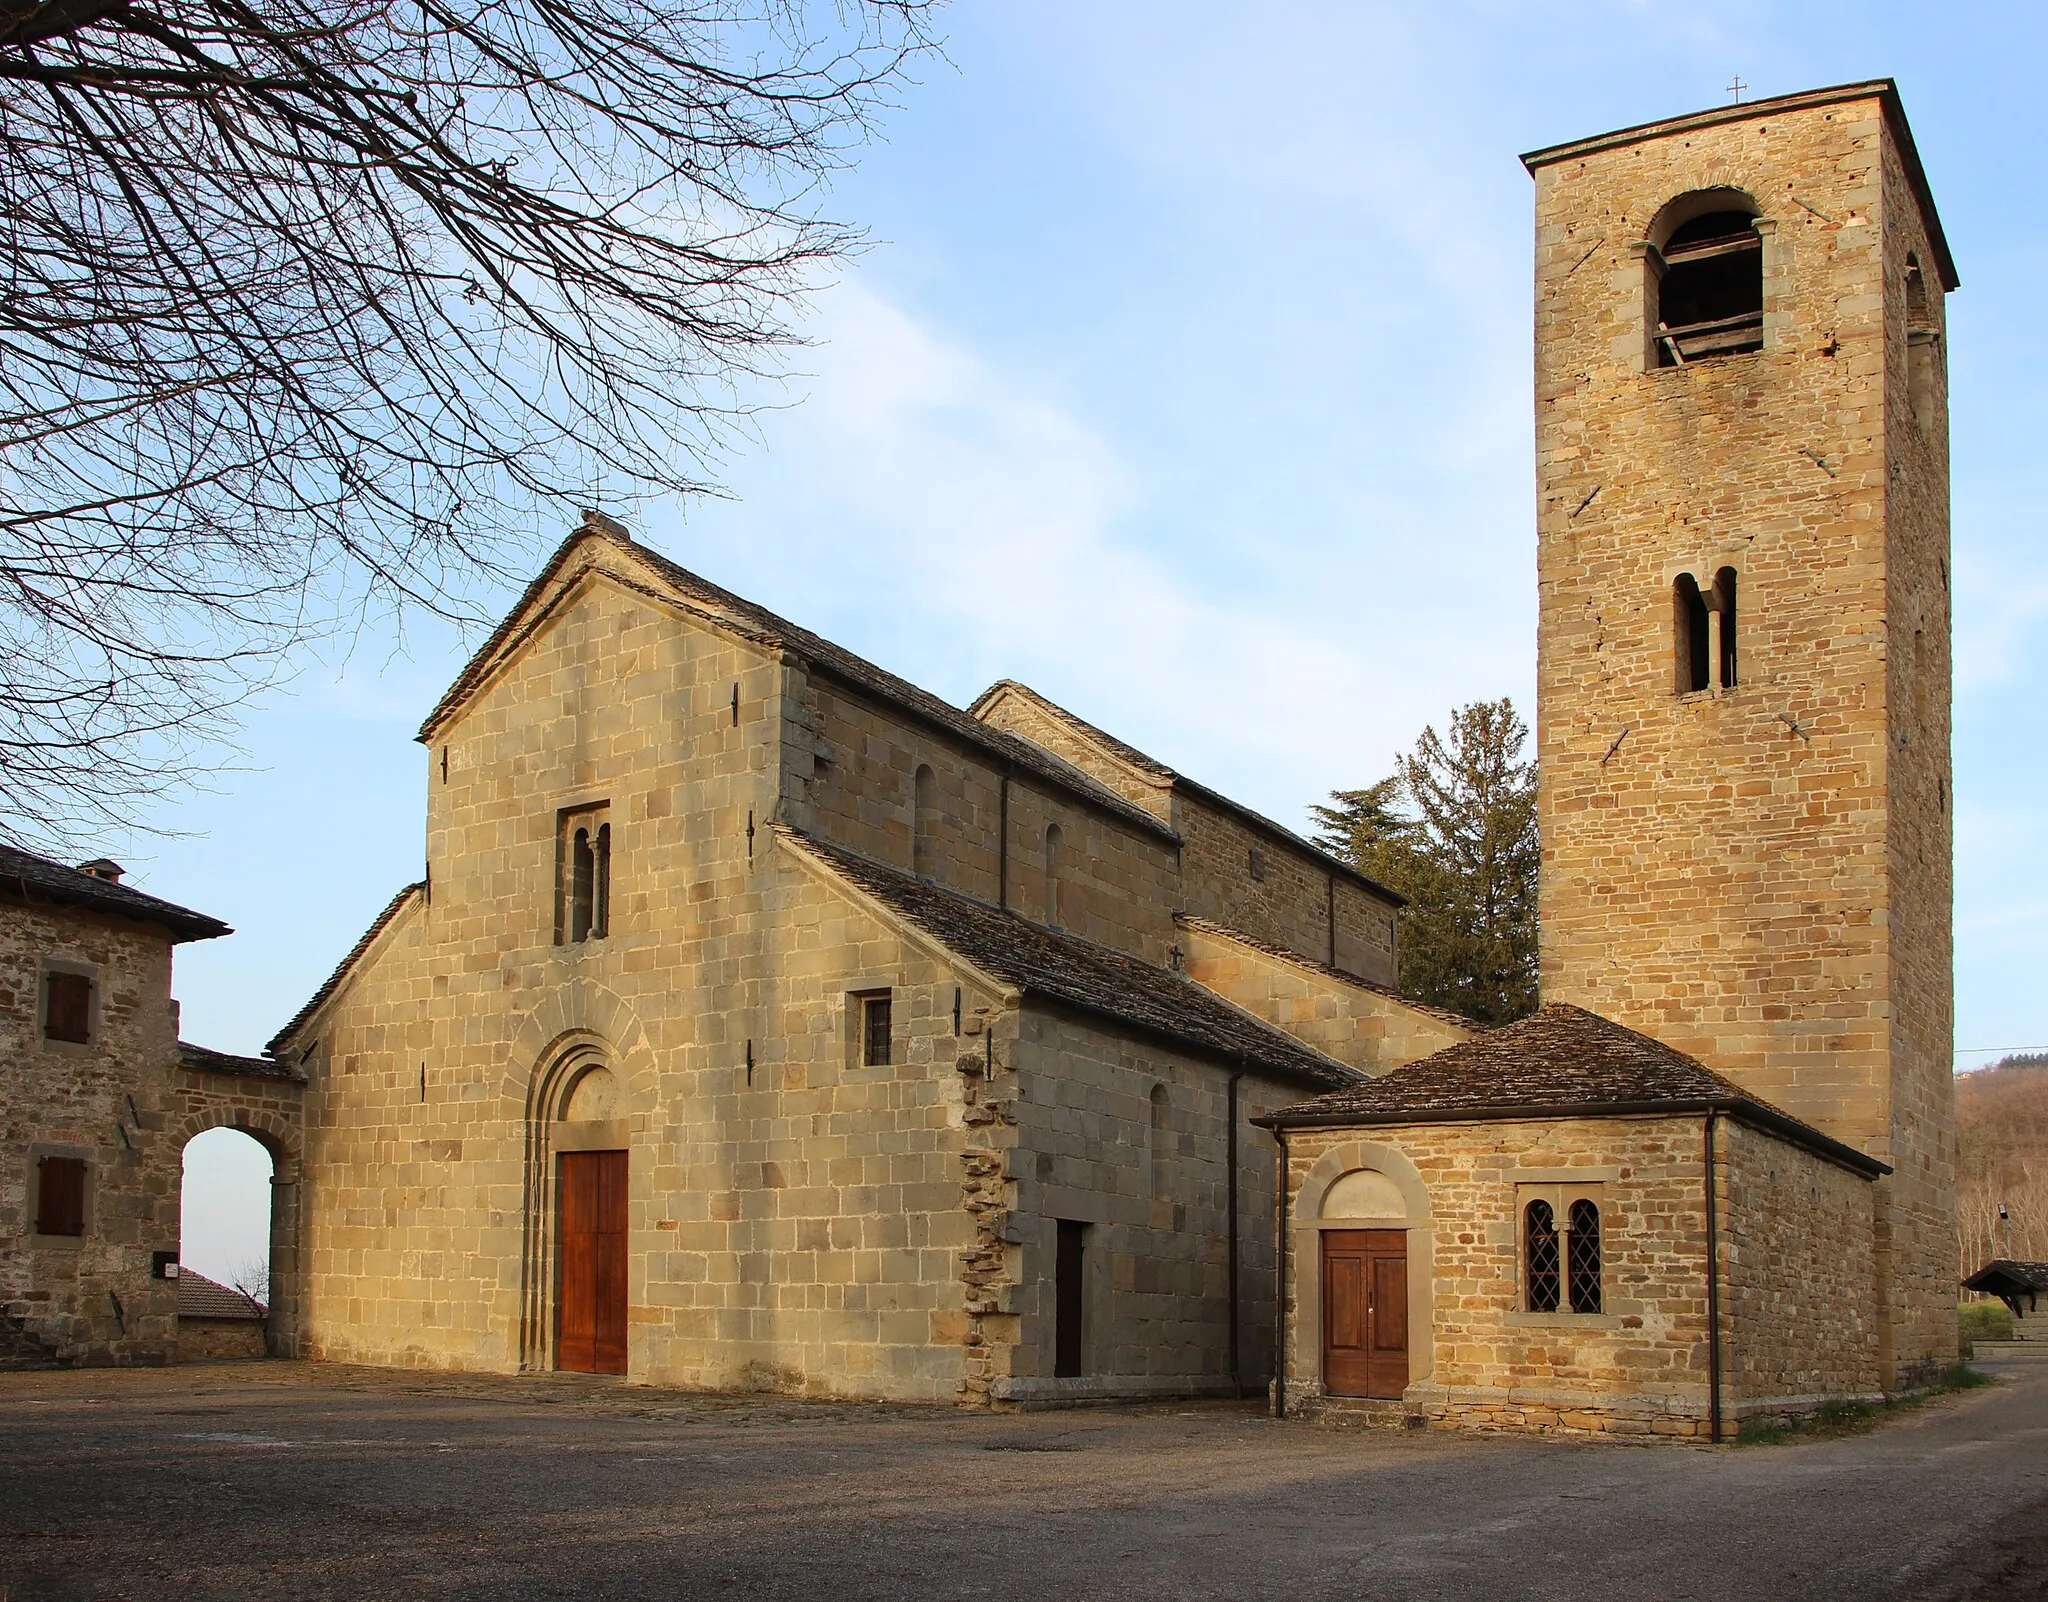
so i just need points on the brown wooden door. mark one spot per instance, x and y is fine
(1365, 1312)
(590, 1320)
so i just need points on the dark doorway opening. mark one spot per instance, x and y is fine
(1070, 1279)
(590, 1319)
(1365, 1312)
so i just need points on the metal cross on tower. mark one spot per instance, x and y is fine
(1737, 87)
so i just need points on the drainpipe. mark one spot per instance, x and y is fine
(1713, 1301)
(1280, 1287)
(1230, 1165)
(1003, 843)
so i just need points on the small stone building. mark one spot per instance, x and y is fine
(762, 1021)
(1565, 1224)
(216, 1320)
(97, 1100)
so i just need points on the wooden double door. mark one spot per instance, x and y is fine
(1365, 1312)
(590, 1300)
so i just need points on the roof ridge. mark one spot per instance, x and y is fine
(334, 980)
(724, 608)
(1560, 1061)
(32, 876)
(1174, 779)
(1073, 970)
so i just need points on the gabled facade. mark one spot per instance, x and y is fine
(763, 1021)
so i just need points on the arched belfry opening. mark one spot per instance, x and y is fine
(1705, 295)
(1923, 348)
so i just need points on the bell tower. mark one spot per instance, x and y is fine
(1743, 656)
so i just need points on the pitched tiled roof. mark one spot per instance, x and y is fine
(1268, 948)
(763, 627)
(333, 982)
(1563, 1062)
(200, 1297)
(2005, 1275)
(1156, 770)
(33, 879)
(204, 1060)
(1060, 967)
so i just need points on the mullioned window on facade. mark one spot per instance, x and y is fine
(1561, 1270)
(586, 877)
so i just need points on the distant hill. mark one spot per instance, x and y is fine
(2002, 1157)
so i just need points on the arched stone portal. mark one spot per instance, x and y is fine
(262, 1099)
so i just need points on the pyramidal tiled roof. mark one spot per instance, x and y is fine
(1065, 968)
(1561, 1062)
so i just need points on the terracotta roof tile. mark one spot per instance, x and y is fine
(205, 1060)
(200, 1297)
(30, 878)
(1081, 974)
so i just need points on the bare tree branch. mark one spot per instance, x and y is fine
(309, 305)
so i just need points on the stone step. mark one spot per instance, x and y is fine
(2003, 1351)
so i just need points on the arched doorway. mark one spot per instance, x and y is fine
(224, 1245)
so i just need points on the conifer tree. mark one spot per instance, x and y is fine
(1453, 829)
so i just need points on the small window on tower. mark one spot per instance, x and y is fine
(1709, 287)
(1689, 631)
(1923, 347)
(1723, 624)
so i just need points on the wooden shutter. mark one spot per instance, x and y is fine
(60, 1196)
(69, 1015)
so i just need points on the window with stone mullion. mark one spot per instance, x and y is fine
(1540, 1256)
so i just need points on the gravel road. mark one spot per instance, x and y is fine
(288, 1480)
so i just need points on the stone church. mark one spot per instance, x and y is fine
(761, 1021)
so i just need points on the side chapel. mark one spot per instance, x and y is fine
(1714, 1176)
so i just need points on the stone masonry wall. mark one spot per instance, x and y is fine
(1757, 876)
(1295, 901)
(1150, 1178)
(1366, 1027)
(1799, 1302)
(1118, 883)
(103, 1101)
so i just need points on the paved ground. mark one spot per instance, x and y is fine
(294, 1480)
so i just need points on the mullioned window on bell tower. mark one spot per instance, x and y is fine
(1704, 632)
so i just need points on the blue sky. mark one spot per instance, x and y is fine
(1187, 379)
